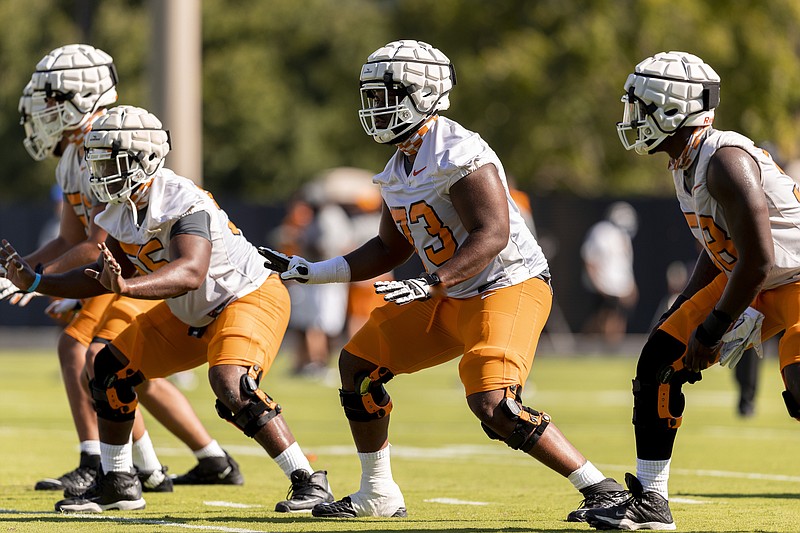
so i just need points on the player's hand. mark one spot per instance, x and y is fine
(7, 289)
(21, 299)
(699, 356)
(404, 291)
(111, 275)
(275, 261)
(16, 269)
(745, 334)
(62, 306)
(295, 268)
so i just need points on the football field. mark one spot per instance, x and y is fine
(729, 474)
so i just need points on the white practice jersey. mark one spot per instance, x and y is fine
(72, 175)
(707, 219)
(422, 210)
(236, 268)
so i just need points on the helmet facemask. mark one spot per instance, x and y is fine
(387, 112)
(114, 175)
(638, 130)
(35, 143)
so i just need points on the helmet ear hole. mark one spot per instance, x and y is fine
(671, 112)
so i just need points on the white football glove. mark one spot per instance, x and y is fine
(21, 299)
(62, 305)
(296, 268)
(7, 288)
(745, 334)
(404, 291)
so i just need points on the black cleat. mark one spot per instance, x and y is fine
(307, 491)
(212, 471)
(119, 491)
(76, 481)
(643, 510)
(155, 481)
(344, 509)
(607, 493)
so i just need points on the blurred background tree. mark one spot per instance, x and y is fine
(541, 81)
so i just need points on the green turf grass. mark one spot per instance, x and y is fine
(728, 474)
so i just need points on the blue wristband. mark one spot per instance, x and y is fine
(35, 283)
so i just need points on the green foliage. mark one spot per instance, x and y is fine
(540, 81)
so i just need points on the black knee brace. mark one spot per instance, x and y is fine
(369, 401)
(657, 396)
(530, 423)
(112, 388)
(260, 408)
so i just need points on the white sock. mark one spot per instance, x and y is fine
(654, 475)
(376, 471)
(585, 476)
(378, 494)
(292, 458)
(90, 447)
(116, 458)
(144, 455)
(212, 449)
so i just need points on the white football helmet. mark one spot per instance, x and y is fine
(402, 84)
(665, 93)
(69, 85)
(124, 149)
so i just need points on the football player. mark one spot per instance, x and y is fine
(168, 240)
(745, 212)
(70, 88)
(484, 296)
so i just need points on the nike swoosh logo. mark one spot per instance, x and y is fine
(420, 170)
(486, 295)
(224, 473)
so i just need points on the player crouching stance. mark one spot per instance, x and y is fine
(485, 295)
(222, 307)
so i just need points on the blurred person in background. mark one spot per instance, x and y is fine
(69, 90)
(216, 304)
(316, 227)
(607, 254)
(745, 213)
(484, 295)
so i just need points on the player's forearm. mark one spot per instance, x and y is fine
(81, 254)
(167, 282)
(373, 258)
(49, 252)
(72, 284)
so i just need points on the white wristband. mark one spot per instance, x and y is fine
(336, 270)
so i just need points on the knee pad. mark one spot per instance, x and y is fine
(791, 405)
(369, 401)
(258, 411)
(112, 388)
(530, 423)
(658, 398)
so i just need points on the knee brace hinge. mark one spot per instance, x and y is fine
(369, 401)
(260, 408)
